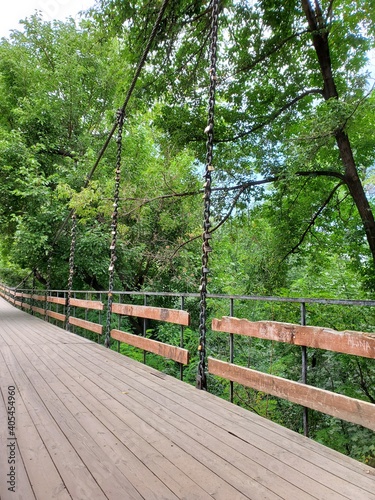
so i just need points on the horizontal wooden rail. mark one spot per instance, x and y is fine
(87, 304)
(57, 300)
(87, 325)
(337, 405)
(27, 295)
(38, 310)
(159, 313)
(41, 298)
(347, 342)
(56, 315)
(25, 305)
(18, 303)
(167, 351)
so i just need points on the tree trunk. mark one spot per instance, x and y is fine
(320, 33)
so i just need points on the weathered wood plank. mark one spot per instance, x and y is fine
(214, 473)
(56, 315)
(87, 325)
(337, 405)
(348, 342)
(87, 304)
(76, 458)
(30, 453)
(57, 300)
(26, 295)
(167, 351)
(38, 310)
(152, 474)
(303, 455)
(159, 313)
(18, 303)
(25, 305)
(40, 298)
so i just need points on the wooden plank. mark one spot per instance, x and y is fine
(27, 295)
(38, 310)
(57, 300)
(337, 405)
(150, 472)
(30, 453)
(87, 325)
(321, 464)
(87, 304)
(41, 298)
(264, 482)
(215, 474)
(85, 474)
(19, 294)
(167, 351)
(25, 305)
(59, 316)
(348, 342)
(159, 313)
(18, 303)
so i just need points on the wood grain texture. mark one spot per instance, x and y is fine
(167, 351)
(38, 310)
(159, 313)
(348, 342)
(337, 405)
(40, 298)
(57, 300)
(56, 315)
(87, 304)
(87, 325)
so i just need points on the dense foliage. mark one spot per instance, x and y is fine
(294, 166)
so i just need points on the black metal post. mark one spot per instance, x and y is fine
(231, 350)
(304, 372)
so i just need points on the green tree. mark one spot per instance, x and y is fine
(293, 98)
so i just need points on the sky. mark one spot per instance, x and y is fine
(14, 10)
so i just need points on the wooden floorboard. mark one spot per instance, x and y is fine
(93, 424)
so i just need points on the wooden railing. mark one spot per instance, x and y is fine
(37, 303)
(175, 316)
(348, 342)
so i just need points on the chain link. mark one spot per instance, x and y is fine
(73, 235)
(114, 226)
(48, 283)
(206, 236)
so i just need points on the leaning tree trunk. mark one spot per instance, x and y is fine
(320, 33)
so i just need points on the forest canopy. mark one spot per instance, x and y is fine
(294, 146)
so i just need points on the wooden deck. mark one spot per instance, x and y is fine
(93, 424)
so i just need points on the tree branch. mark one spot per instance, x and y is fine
(273, 116)
(312, 221)
(266, 54)
(363, 384)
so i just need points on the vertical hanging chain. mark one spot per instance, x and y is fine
(114, 225)
(32, 301)
(48, 284)
(206, 236)
(73, 235)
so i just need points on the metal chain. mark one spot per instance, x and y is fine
(73, 235)
(32, 302)
(206, 236)
(114, 224)
(48, 283)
